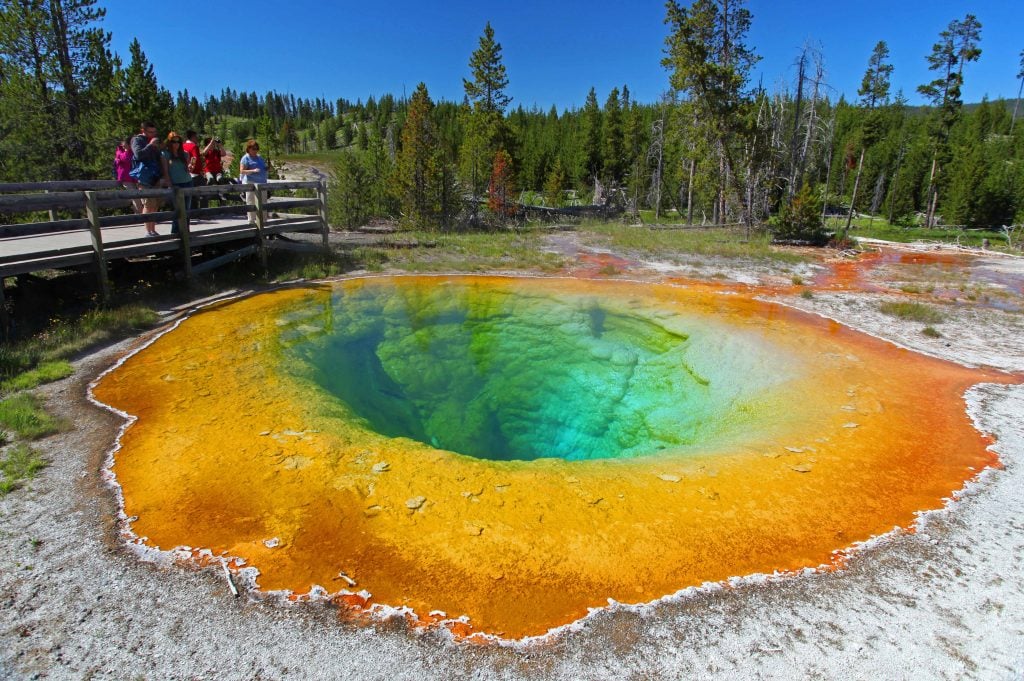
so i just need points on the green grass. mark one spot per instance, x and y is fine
(19, 464)
(64, 338)
(22, 415)
(45, 372)
(712, 241)
(883, 230)
(931, 332)
(472, 252)
(807, 294)
(915, 312)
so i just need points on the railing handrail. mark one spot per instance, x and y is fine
(21, 202)
(87, 185)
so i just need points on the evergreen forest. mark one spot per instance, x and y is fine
(717, 148)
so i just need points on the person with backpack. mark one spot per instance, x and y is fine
(147, 170)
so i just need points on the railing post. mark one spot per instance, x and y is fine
(92, 214)
(53, 213)
(181, 210)
(261, 224)
(321, 193)
(5, 320)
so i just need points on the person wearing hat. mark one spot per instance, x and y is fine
(175, 162)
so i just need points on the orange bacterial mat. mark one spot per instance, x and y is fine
(816, 437)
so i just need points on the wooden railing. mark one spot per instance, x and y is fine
(85, 226)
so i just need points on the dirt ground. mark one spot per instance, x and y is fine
(943, 601)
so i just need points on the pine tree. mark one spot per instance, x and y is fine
(483, 110)
(957, 46)
(554, 184)
(145, 100)
(486, 92)
(1020, 89)
(874, 89)
(55, 96)
(501, 188)
(613, 141)
(590, 135)
(417, 163)
(709, 61)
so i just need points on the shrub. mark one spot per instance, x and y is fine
(800, 220)
(915, 312)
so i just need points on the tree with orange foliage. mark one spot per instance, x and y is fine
(501, 189)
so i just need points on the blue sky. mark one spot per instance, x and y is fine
(553, 51)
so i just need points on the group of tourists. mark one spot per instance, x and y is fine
(147, 161)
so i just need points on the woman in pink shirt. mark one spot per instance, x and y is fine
(124, 159)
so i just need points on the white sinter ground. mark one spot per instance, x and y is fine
(944, 603)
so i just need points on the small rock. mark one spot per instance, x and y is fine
(372, 511)
(265, 433)
(848, 407)
(669, 478)
(801, 468)
(415, 503)
(795, 450)
(472, 529)
(381, 467)
(271, 543)
(851, 424)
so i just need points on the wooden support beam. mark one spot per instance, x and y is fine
(181, 210)
(92, 214)
(261, 223)
(208, 265)
(5, 319)
(299, 246)
(321, 193)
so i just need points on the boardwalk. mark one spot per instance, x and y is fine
(87, 227)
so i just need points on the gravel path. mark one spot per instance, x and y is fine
(944, 602)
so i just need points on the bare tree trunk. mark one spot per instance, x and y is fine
(689, 192)
(932, 194)
(876, 198)
(656, 151)
(828, 173)
(1016, 105)
(796, 124)
(718, 213)
(856, 184)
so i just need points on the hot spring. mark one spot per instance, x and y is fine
(500, 455)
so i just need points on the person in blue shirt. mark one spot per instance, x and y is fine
(175, 160)
(253, 170)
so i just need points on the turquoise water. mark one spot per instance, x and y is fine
(495, 374)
